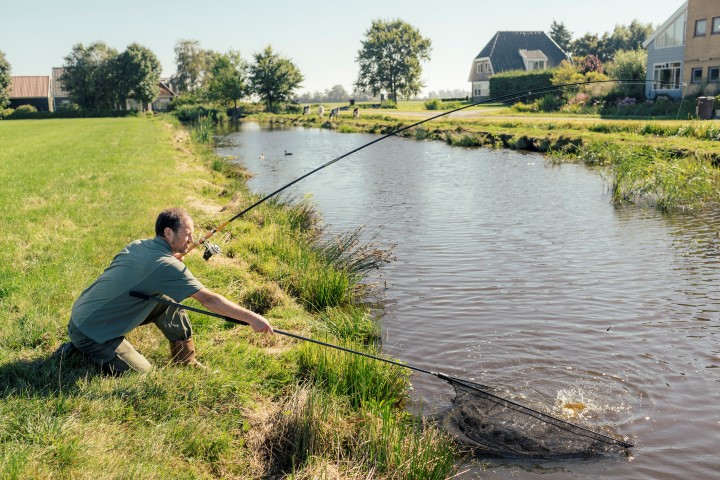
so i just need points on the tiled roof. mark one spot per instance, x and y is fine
(503, 50)
(30, 87)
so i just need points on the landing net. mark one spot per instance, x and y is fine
(494, 426)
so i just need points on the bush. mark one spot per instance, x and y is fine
(191, 113)
(510, 86)
(388, 104)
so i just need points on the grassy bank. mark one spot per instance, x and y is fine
(74, 192)
(668, 164)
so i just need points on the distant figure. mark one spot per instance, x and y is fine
(262, 156)
(287, 153)
(334, 113)
(306, 110)
(356, 112)
(321, 111)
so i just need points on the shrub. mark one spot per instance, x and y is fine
(511, 86)
(191, 113)
(388, 104)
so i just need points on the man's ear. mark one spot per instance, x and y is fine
(167, 232)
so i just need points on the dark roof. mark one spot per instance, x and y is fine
(503, 50)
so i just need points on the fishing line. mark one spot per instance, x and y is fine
(211, 249)
(463, 388)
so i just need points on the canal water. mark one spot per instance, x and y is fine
(519, 274)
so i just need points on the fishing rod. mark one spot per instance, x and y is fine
(484, 390)
(213, 249)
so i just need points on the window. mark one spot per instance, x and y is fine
(716, 25)
(673, 35)
(483, 67)
(714, 74)
(696, 75)
(700, 27)
(666, 76)
(536, 65)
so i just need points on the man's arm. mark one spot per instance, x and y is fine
(221, 305)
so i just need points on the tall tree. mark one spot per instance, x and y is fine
(90, 76)
(5, 78)
(138, 73)
(561, 35)
(337, 94)
(390, 59)
(273, 77)
(585, 45)
(193, 63)
(228, 81)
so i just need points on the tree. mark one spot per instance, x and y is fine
(561, 35)
(337, 94)
(90, 77)
(193, 63)
(629, 65)
(390, 59)
(138, 73)
(585, 45)
(274, 78)
(5, 79)
(228, 79)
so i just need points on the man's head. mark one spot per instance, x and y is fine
(176, 227)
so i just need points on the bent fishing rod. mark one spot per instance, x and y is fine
(486, 390)
(211, 249)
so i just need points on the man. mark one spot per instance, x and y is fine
(105, 312)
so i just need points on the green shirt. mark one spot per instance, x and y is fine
(105, 310)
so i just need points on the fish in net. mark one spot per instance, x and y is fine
(494, 426)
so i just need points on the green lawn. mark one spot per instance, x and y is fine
(74, 192)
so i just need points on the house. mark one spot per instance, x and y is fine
(684, 53)
(166, 96)
(31, 90)
(160, 104)
(59, 96)
(512, 51)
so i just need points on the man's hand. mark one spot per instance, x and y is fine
(221, 305)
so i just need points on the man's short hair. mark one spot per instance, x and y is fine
(172, 218)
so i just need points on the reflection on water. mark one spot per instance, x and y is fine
(521, 275)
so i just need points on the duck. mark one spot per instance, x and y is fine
(287, 153)
(262, 156)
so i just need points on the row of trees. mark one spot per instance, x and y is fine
(623, 37)
(389, 60)
(226, 78)
(98, 77)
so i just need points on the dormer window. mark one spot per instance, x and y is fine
(534, 59)
(483, 66)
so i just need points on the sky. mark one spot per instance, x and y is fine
(321, 37)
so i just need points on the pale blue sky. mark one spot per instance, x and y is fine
(321, 37)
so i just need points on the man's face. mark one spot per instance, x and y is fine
(180, 241)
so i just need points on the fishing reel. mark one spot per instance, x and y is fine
(210, 250)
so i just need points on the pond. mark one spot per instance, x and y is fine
(519, 274)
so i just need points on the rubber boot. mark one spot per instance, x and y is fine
(182, 352)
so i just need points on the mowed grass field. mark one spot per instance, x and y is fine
(75, 192)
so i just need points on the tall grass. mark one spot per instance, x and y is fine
(379, 441)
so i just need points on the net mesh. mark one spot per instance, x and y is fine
(493, 426)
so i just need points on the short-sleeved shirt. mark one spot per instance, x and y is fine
(105, 310)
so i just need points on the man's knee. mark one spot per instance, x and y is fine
(127, 358)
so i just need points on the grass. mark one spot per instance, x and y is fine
(74, 193)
